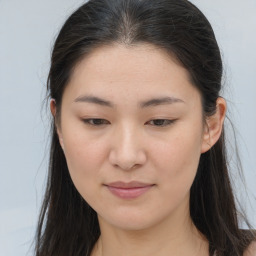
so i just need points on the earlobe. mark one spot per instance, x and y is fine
(53, 107)
(53, 111)
(214, 125)
(61, 142)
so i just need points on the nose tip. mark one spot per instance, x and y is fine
(127, 158)
(127, 147)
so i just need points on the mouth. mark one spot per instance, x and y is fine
(128, 190)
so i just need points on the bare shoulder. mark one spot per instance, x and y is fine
(251, 250)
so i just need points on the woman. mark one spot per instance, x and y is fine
(138, 162)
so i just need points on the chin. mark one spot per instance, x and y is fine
(132, 225)
(133, 221)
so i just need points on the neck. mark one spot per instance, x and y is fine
(173, 236)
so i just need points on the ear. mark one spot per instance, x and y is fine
(53, 111)
(214, 125)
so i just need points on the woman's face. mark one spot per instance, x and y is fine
(132, 132)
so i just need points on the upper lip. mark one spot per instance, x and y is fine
(132, 184)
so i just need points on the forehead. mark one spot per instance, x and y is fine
(136, 70)
(117, 59)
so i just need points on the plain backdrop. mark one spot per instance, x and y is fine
(27, 32)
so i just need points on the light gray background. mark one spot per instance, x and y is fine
(27, 31)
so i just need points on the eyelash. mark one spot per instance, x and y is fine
(100, 122)
(88, 121)
(166, 121)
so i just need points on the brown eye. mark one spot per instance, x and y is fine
(95, 121)
(161, 122)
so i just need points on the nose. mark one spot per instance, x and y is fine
(128, 151)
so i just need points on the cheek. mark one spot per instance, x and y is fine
(84, 157)
(84, 154)
(177, 161)
(84, 160)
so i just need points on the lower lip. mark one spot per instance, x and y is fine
(129, 193)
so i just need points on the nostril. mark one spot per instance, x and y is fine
(126, 161)
(131, 167)
(127, 154)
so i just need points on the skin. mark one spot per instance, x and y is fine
(251, 250)
(129, 144)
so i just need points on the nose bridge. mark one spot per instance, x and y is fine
(127, 136)
(127, 147)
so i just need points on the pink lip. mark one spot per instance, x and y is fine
(128, 190)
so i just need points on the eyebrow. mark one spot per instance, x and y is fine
(95, 100)
(144, 104)
(160, 101)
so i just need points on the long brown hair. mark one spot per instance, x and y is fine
(67, 224)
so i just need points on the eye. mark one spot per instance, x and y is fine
(95, 121)
(161, 122)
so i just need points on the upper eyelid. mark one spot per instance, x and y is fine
(170, 121)
(87, 120)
